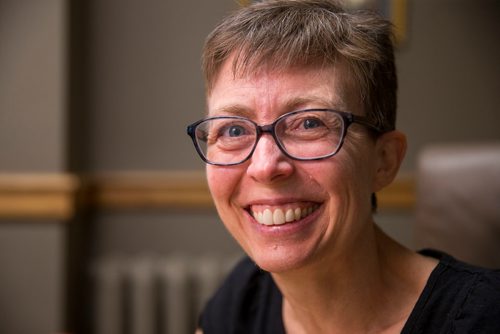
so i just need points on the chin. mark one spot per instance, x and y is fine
(280, 259)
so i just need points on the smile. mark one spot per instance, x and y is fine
(280, 216)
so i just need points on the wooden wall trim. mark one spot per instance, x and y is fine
(55, 195)
(41, 196)
(399, 195)
(150, 190)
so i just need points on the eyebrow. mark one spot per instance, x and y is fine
(293, 104)
(300, 102)
(233, 110)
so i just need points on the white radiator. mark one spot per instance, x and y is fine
(151, 295)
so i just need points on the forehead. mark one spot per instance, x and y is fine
(282, 90)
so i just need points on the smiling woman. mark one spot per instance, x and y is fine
(300, 133)
(274, 181)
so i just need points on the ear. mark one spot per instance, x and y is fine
(390, 151)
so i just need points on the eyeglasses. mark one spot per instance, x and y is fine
(310, 134)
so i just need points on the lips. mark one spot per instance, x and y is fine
(283, 214)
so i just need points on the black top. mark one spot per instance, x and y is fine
(458, 298)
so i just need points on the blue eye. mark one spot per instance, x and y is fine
(312, 123)
(235, 131)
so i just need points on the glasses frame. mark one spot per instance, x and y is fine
(348, 120)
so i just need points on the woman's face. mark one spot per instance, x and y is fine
(329, 199)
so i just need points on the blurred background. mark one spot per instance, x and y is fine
(100, 187)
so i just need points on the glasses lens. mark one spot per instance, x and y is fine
(310, 134)
(226, 140)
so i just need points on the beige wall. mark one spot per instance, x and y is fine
(32, 85)
(449, 72)
(135, 84)
(32, 138)
(143, 81)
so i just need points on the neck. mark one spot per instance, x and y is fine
(344, 292)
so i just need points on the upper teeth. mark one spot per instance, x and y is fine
(279, 216)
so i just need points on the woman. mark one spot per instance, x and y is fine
(300, 135)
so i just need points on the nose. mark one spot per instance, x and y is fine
(268, 164)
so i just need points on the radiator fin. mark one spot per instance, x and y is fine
(154, 295)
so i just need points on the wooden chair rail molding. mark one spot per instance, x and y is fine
(149, 190)
(40, 196)
(57, 196)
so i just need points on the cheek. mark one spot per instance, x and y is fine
(215, 184)
(359, 155)
(331, 177)
(222, 183)
(346, 176)
(358, 165)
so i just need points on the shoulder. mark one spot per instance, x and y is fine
(480, 304)
(454, 275)
(242, 303)
(460, 298)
